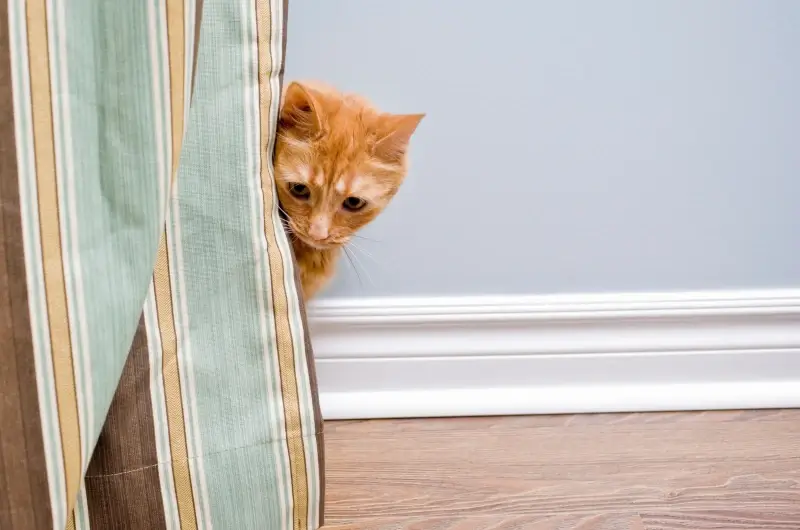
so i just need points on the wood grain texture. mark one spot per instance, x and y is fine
(664, 471)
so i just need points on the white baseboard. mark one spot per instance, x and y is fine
(463, 356)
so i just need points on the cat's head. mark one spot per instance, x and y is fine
(338, 162)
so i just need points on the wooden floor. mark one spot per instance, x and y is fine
(723, 470)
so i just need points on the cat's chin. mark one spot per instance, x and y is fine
(318, 246)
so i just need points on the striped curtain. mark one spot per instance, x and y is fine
(155, 370)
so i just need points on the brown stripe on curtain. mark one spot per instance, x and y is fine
(318, 423)
(312, 372)
(198, 22)
(122, 483)
(285, 27)
(24, 494)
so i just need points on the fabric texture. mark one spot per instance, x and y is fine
(155, 367)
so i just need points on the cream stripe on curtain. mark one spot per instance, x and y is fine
(155, 370)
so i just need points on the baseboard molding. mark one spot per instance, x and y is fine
(422, 357)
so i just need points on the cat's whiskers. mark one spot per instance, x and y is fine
(359, 263)
(359, 236)
(287, 227)
(356, 263)
(364, 251)
(353, 265)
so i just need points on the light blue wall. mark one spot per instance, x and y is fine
(572, 146)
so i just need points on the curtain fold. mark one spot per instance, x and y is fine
(155, 368)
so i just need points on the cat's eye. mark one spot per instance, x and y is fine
(354, 203)
(300, 191)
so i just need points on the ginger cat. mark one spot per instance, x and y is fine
(338, 163)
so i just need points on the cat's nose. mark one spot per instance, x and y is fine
(318, 230)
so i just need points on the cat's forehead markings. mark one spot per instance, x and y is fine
(341, 187)
(303, 174)
(357, 184)
(367, 188)
(319, 178)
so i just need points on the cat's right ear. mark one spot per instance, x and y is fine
(301, 111)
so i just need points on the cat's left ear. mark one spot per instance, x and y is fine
(301, 110)
(395, 134)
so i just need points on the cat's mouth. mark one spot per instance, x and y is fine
(294, 233)
(309, 242)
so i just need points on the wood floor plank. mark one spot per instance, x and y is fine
(510, 522)
(720, 520)
(658, 471)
